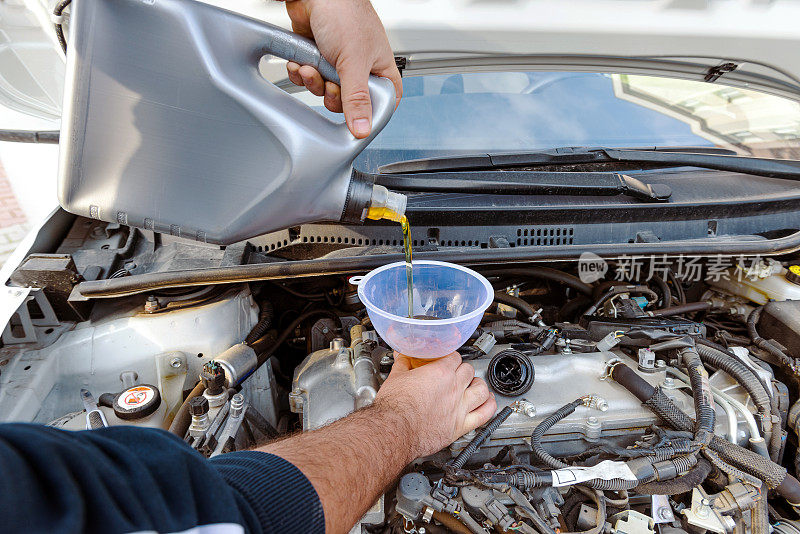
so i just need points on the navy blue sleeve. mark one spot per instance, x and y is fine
(129, 479)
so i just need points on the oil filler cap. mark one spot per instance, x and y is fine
(135, 402)
(793, 275)
(510, 373)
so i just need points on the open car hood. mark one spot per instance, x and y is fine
(742, 43)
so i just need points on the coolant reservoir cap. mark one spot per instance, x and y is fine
(793, 275)
(137, 402)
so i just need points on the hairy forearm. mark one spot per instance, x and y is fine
(351, 461)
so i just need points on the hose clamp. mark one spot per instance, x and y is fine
(610, 365)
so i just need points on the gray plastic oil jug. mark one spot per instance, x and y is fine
(169, 126)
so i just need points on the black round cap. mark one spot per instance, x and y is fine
(510, 373)
(137, 402)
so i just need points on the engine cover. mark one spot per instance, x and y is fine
(324, 389)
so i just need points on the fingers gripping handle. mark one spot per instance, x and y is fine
(293, 47)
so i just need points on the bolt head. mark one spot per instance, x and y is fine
(176, 362)
(593, 420)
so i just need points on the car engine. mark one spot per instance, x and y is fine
(658, 404)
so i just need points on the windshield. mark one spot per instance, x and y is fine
(448, 114)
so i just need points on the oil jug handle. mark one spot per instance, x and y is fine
(292, 47)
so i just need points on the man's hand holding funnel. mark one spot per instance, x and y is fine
(441, 401)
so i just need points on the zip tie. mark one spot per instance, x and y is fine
(57, 19)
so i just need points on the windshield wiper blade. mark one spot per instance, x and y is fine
(498, 182)
(704, 157)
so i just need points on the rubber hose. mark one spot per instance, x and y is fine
(679, 293)
(760, 342)
(666, 294)
(682, 308)
(451, 523)
(618, 290)
(765, 384)
(748, 461)
(569, 309)
(759, 514)
(266, 354)
(463, 457)
(745, 376)
(682, 484)
(180, 424)
(602, 287)
(701, 393)
(516, 303)
(524, 480)
(546, 273)
(728, 469)
(540, 430)
(554, 463)
(265, 316)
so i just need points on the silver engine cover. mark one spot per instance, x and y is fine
(324, 389)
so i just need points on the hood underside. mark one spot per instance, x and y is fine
(746, 44)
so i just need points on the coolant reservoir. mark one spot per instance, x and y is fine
(769, 281)
(169, 126)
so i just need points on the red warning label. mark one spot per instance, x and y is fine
(135, 397)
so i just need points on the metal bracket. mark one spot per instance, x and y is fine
(29, 323)
(714, 73)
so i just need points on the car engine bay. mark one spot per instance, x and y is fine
(652, 404)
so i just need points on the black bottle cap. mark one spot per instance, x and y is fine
(137, 402)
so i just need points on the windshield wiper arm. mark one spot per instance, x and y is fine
(499, 182)
(704, 157)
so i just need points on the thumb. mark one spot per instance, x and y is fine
(356, 102)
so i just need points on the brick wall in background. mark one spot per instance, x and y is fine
(13, 223)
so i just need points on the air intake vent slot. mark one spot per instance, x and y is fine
(444, 236)
(545, 235)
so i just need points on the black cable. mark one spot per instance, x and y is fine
(265, 316)
(463, 457)
(666, 294)
(300, 294)
(58, 11)
(681, 309)
(516, 303)
(618, 290)
(265, 354)
(760, 342)
(545, 273)
(679, 293)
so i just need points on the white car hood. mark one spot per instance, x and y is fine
(679, 38)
